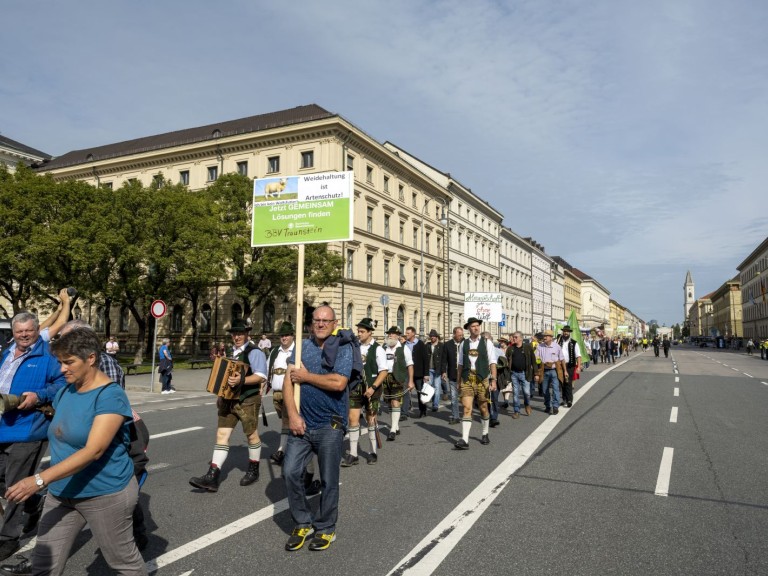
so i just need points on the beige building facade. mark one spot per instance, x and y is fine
(726, 309)
(396, 214)
(753, 277)
(515, 277)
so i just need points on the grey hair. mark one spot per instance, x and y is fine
(24, 317)
(166, 341)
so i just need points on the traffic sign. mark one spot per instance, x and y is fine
(158, 309)
(384, 300)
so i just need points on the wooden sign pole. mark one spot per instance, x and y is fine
(299, 322)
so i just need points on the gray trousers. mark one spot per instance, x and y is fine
(21, 461)
(110, 518)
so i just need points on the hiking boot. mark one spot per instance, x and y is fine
(528, 410)
(349, 460)
(485, 440)
(278, 457)
(252, 474)
(209, 482)
(298, 537)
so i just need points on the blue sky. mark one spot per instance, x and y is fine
(627, 137)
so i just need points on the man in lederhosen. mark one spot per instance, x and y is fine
(277, 364)
(244, 409)
(477, 379)
(367, 393)
(399, 380)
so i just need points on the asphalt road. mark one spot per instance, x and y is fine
(582, 492)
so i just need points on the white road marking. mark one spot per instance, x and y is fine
(665, 472)
(673, 415)
(726, 365)
(174, 432)
(158, 466)
(677, 378)
(677, 392)
(435, 547)
(750, 375)
(766, 383)
(735, 369)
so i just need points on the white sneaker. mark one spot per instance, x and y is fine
(165, 392)
(172, 391)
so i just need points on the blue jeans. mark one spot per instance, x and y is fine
(494, 407)
(550, 379)
(519, 381)
(327, 443)
(454, 399)
(437, 381)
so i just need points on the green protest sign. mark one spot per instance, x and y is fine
(303, 209)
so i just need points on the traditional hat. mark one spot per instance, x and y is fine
(472, 321)
(394, 330)
(366, 323)
(239, 326)
(567, 328)
(502, 339)
(547, 333)
(286, 329)
(433, 332)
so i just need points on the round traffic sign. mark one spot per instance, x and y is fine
(158, 309)
(384, 300)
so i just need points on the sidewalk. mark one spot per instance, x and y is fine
(187, 382)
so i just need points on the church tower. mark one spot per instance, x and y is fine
(689, 296)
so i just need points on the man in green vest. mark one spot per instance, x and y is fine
(243, 409)
(367, 393)
(399, 377)
(277, 364)
(477, 379)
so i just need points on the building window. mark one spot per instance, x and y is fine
(401, 193)
(268, 317)
(426, 242)
(124, 319)
(413, 199)
(350, 162)
(308, 159)
(415, 278)
(242, 168)
(386, 272)
(236, 313)
(107, 185)
(176, 317)
(386, 184)
(439, 290)
(386, 226)
(401, 318)
(415, 237)
(213, 173)
(350, 314)
(184, 177)
(402, 275)
(439, 246)
(205, 318)
(369, 268)
(350, 262)
(402, 232)
(369, 312)
(369, 219)
(273, 164)
(369, 174)
(427, 278)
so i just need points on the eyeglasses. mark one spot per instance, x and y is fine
(322, 321)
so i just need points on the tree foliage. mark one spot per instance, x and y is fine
(130, 246)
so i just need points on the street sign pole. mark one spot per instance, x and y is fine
(157, 309)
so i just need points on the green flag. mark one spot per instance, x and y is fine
(576, 335)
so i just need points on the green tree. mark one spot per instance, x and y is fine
(259, 274)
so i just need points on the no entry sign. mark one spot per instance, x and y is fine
(158, 309)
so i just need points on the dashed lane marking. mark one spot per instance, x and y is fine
(665, 472)
(673, 415)
(749, 375)
(677, 378)
(677, 392)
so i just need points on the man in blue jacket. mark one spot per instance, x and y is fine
(27, 368)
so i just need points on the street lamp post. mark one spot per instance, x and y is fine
(443, 222)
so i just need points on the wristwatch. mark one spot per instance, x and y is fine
(39, 481)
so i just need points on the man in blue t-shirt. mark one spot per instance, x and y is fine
(317, 427)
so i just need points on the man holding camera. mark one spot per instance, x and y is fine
(27, 370)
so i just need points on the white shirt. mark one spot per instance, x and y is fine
(390, 352)
(564, 346)
(381, 356)
(490, 351)
(281, 361)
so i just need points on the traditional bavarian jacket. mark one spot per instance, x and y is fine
(278, 362)
(374, 361)
(398, 360)
(257, 364)
(481, 355)
(571, 351)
